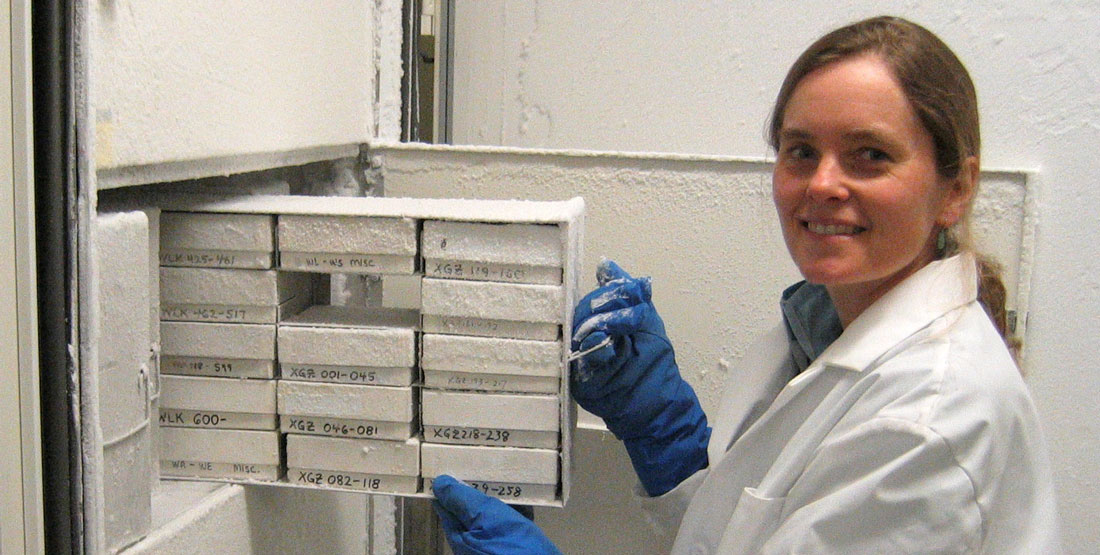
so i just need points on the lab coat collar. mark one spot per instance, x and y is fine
(931, 292)
(811, 320)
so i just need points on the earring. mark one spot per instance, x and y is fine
(941, 241)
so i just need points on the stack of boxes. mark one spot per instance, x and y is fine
(491, 309)
(346, 396)
(220, 302)
(261, 384)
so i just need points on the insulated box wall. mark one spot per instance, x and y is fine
(492, 252)
(347, 244)
(516, 475)
(217, 240)
(224, 350)
(490, 363)
(345, 345)
(204, 453)
(231, 296)
(371, 465)
(201, 402)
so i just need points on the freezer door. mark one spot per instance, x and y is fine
(181, 89)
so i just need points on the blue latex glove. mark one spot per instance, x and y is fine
(633, 382)
(477, 524)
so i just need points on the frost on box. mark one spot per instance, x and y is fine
(457, 366)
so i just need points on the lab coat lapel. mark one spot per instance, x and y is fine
(815, 400)
(931, 292)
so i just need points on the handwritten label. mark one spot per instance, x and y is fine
(485, 327)
(215, 258)
(477, 382)
(216, 419)
(339, 427)
(347, 263)
(218, 313)
(488, 271)
(444, 434)
(347, 374)
(491, 382)
(225, 470)
(498, 490)
(229, 368)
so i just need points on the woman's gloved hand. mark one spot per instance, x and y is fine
(477, 524)
(633, 382)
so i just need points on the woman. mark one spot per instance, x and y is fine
(885, 413)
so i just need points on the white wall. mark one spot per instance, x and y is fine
(699, 78)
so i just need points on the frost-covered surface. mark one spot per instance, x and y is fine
(501, 301)
(214, 340)
(495, 464)
(219, 286)
(364, 402)
(172, 83)
(351, 235)
(232, 232)
(532, 245)
(369, 456)
(490, 410)
(492, 355)
(379, 347)
(354, 317)
(121, 377)
(237, 446)
(504, 211)
(218, 394)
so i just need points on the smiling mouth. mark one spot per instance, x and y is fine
(833, 229)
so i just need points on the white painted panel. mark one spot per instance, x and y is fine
(182, 80)
(20, 454)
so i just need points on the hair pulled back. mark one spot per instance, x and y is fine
(940, 90)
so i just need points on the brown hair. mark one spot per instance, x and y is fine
(939, 88)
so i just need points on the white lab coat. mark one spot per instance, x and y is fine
(912, 433)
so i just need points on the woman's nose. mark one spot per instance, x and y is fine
(828, 181)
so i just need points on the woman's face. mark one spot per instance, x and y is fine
(855, 183)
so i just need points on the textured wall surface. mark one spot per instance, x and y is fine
(703, 227)
(178, 80)
(700, 78)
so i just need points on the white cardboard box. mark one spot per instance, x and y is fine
(233, 454)
(224, 350)
(230, 295)
(347, 244)
(519, 253)
(501, 419)
(217, 240)
(482, 308)
(509, 473)
(376, 466)
(344, 410)
(346, 345)
(226, 403)
(491, 363)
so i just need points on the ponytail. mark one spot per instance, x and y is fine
(992, 296)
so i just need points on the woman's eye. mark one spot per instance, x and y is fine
(870, 154)
(799, 152)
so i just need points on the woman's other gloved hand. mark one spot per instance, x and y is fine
(476, 524)
(633, 382)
